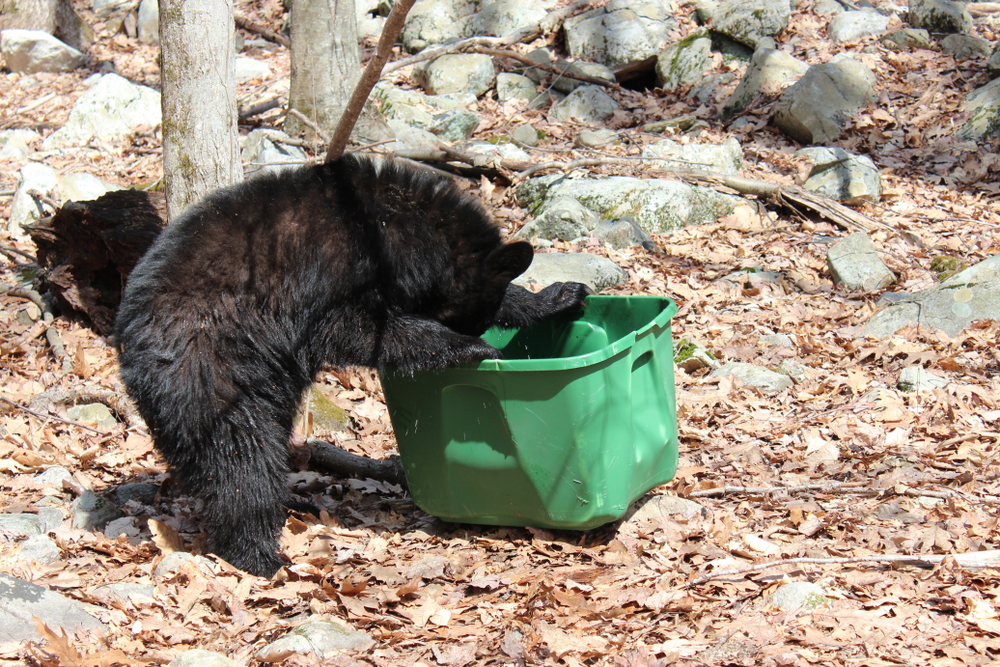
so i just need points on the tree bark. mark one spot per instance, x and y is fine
(326, 62)
(201, 150)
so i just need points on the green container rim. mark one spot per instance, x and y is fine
(563, 363)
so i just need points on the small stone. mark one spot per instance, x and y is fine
(855, 265)
(588, 104)
(799, 595)
(323, 638)
(525, 134)
(54, 475)
(917, 378)
(197, 657)
(777, 340)
(96, 414)
(39, 549)
(755, 376)
(139, 491)
(595, 138)
(21, 601)
(515, 86)
(248, 69)
(124, 526)
(90, 511)
(174, 560)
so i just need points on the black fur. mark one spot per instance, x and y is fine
(242, 300)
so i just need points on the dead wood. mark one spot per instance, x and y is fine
(270, 35)
(88, 249)
(331, 458)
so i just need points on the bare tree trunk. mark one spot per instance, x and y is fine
(201, 150)
(326, 62)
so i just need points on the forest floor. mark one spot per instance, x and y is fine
(849, 473)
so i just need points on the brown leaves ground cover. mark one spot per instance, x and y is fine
(843, 464)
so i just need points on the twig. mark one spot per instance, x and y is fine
(561, 71)
(373, 71)
(980, 9)
(121, 405)
(52, 417)
(25, 293)
(258, 109)
(270, 35)
(551, 22)
(567, 166)
(7, 250)
(312, 126)
(858, 488)
(970, 560)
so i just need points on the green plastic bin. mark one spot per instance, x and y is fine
(576, 422)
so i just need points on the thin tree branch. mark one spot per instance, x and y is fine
(270, 35)
(373, 71)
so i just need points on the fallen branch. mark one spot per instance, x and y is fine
(858, 488)
(333, 459)
(980, 9)
(270, 35)
(551, 22)
(973, 561)
(50, 417)
(117, 403)
(559, 71)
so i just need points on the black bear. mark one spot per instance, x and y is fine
(240, 302)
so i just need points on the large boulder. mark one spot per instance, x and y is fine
(816, 108)
(31, 51)
(749, 21)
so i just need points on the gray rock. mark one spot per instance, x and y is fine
(525, 134)
(798, 595)
(658, 508)
(90, 511)
(769, 72)
(110, 110)
(842, 176)
(748, 21)
(854, 264)
(455, 124)
(983, 106)
(850, 26)
(21, 600)
(409, 110)
(97, 414)
(22, 524)
(413, 139)
(593, 270)
(492, 152)
(54, 475)
(829, 7)
(515, 86)
(263, 151)
(767, 381)
(37, 181)
(174, 560)
(656, 205)
(31, 51)
(564, 218)
(940, 16)
(622, 234)
(753, 276)
(907, 38)
(595, 138)
(792, 369)
(457, 73)
(969, 295)
(965, 47)
(81, 186)
(621, 32)
(104, 8)
(815, 108)
(39, 549)
(248, 69)
(917, 378)
(565, 84)
(14, 143)
(148, 25)
(725, 158)
(778, 340)
(197, 657)
(139, 491)
(439, 21)
(124, 590)
(684, 63)
(691, 356)
(992, 66)
(588, 104)
(323, 638)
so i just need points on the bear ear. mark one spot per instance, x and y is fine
(508, 262)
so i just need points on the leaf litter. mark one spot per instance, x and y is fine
(844, 465)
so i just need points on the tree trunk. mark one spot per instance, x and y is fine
(201, 150)
(326, 62)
